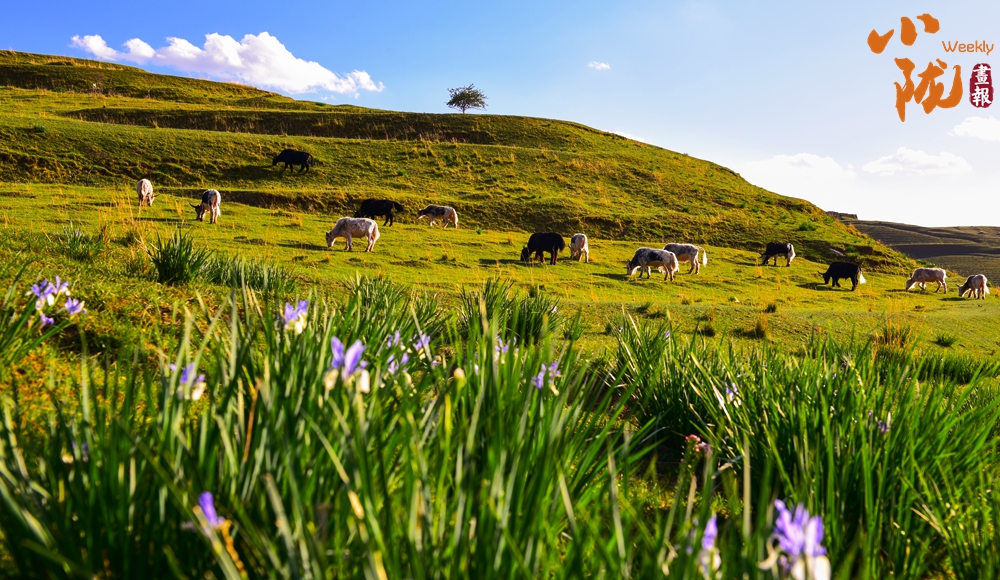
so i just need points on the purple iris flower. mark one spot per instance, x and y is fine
(501, 348)
(292, 313)
(552, 371)
(711, 531)
(188, 371)
(539, 380)
(60, 287)
(798, 534)
(394, 366)
(422, 342)
(207, 504)
(347, 361)
(74, 307)
(45, 319)
(352, 358)
(337, 352)
(393, 340)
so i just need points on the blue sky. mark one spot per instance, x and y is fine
(786, 93)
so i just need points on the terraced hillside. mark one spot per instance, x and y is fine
(79, 122)
(964, 250)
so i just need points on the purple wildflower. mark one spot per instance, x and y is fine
(394, 340)
(60, 287)
(352, 358)
(666, 335)
(798, 534)
(207, 504)
(711, 531)
(74, 307)
(188, 372)
(394, 366)
(337, 352)
(295, 317)
(346, 361)
(546, 375)
(884, 426)
(44, 294)
(423, 342)
(539, 380)
(45, 319)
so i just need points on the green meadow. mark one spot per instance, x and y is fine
(501, 420)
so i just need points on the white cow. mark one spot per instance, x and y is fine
(977, 284)
(645, 259)
(689, 253)
(349, 228)
(145, 190)
(921, 276)
(439, 212)
(211, 203)
(579, 249)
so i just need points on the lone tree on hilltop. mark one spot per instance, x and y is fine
(468, 97)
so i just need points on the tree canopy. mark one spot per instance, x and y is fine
(468, 97)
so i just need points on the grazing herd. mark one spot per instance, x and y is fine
(643, 260)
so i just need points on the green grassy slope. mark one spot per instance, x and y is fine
(506, 173)
(71, 156)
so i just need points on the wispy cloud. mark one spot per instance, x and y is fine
(979, 127)
(801, 166)
(908, 161)
(259, 60)
(805, 175)
(598, 65)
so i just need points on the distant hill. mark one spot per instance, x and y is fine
(81, 122)
(965, 250)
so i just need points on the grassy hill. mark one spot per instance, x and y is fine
(75, 135)
(80, 122)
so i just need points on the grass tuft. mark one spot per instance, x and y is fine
(176, 260)
(79, 245)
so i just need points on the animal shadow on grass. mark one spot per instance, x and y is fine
(821, 287)
(166, 220)
(252, 172)
(487, 262)
(306, 246)
(620, 277)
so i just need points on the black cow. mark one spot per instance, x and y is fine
(291, 157)
(775, 249)
(838, 270)
(542, 242)
(372, 208)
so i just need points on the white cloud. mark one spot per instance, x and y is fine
(979, 127)
(630, 136)
(820, 180)
(909, 161)
(259, 60)
(598, 65)
(801, 166)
